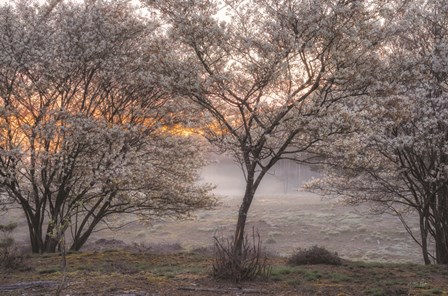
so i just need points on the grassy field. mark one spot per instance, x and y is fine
(121, 272)
(170, 258)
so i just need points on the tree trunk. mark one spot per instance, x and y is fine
(80, 240)
(36, 244)
(424, 238)
(35, 232)
(441, 254)
(441, 246)
(442, 226)
(77, 244)
(51, 242)
(241, 223)
(242, 214)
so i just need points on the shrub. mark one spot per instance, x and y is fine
(314, 255)
(247, 265)
(9, 259)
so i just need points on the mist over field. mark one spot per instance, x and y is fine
(285, 178)
(286, 217)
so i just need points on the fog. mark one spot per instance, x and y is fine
(286, 217)
(286, 177)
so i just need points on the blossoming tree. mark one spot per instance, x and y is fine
(267, 74)
(398, 157)
(85, 121)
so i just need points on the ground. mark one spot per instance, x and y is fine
(286, 217)
(121, 272)
(171, 257)
(285, 223)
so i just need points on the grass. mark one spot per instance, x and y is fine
(121, 272)
(435, 291)
(340, 278)
(375, 291)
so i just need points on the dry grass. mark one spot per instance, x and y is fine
(285, 222)
(119, 272)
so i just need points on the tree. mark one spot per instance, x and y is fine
(85, 126)
(398, 157)
(267, 74)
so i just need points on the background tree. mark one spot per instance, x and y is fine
(267, 74)
(85, 122)
(398, 157)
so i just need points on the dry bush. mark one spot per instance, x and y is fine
(314, 255)
(232, 265)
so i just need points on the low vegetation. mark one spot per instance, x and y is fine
(122, 272)
(237, 266)
(314, 255)
(9, 257)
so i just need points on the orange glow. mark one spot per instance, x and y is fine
(180, 130)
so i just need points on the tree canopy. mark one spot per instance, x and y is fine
(85, 121)
(398, 156)
(268, 73)
(92, 95)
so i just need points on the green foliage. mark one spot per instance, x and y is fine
(314, 255)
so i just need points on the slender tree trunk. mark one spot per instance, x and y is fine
(424, 237)
(80, 237)
(80, 240)
(36, 244)
(35, 232)
(51, 244)
(77, 244)
(441, 245)
(242, 214)
(241, 223)
(442, 226)
(252, 183)
(441, 253)
(51, 241)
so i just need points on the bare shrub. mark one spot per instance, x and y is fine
(314, 255)
(240, 266)
(9, 257)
